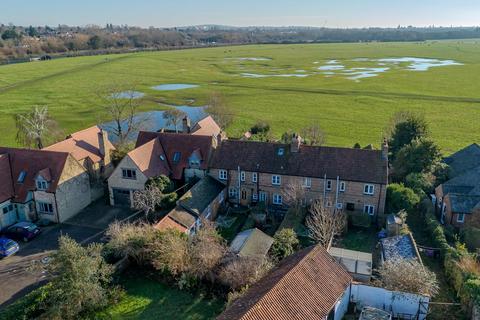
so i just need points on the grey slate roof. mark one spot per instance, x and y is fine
(197, 199)
(464, 203)
(464, 160)
(251, 243)
(399, 247)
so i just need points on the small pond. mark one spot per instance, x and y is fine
(154, 121)
(250, 59)
(288, 75)
(174, 86)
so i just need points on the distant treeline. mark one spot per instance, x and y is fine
(18, 43)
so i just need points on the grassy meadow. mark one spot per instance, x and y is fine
(349, 111)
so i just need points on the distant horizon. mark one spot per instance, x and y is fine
(344, 14)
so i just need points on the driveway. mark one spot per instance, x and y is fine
(16, 276)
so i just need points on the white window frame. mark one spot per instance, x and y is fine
(42, 206)
(460, 215)
(42, 185)
(329, 184)
(254, 177)
(307, 182)
(277, 199)
(232, 192)
(369, 209)
(263, 196)
(255, 196)
(343, 186)
(125, 174)
(276, 180)
(242, 176)
(222, 174)
(369, 189)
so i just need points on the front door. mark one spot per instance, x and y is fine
(244, 197)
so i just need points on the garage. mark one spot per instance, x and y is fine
(121, 197)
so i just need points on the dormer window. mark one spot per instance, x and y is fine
(42, 185)
(176, 157)
(280, 151)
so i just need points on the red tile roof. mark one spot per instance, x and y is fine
(349, 164)
(151, 159)
(168, 223)
(32, 162)
(305, 285)
(185, 144)
(206, 127)
(83, 144)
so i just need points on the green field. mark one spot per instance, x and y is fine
(349, 111)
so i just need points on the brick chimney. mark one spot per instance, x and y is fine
(186, 124)
(296, 143)
(102, 143)
(385, 149)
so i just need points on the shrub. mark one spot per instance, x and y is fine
(400, 197)
(31, 306)
(169, 200)
(239, 272)
(163, 183)
(260, 127)
(284, 244)
(170, 252)
(472, 238)
(421, 183)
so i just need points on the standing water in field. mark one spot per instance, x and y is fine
(128, 95)
(174, 86)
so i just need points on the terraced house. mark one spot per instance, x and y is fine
(351, 179)
(38, 184)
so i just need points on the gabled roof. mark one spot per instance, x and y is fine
(168, 223)
(32, 162)
(464, 203)
(305, 285)
(83, 144)
(6, 185)
(466, 183)
(197, 199)
(206, 127)
(251, 243)
(184, 144)
(151, 159)
(349, 164)
(464, 160)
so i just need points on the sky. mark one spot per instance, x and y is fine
(319, 13)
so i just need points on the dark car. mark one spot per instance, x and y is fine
(25, 231)
(7, 247)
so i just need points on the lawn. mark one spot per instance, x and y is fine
(350, 111)
(148, 299)
(359, 239)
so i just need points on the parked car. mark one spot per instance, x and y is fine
(8, 247)
(25, 231)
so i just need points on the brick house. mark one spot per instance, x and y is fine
(92, 148)
(458, 199)
(352, 179)
(202, 201)
(38, 184)
(181, 157)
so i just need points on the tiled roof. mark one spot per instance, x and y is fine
(464, 160)
(251, 243)
(399, 247)
(6, 185)
(151, 159)
(303, 286)
(197, 199)
(464, 203)
(206, 127)
(168, 223)
(349, 164)
(83, 144)
(32, 162)
(184, 144)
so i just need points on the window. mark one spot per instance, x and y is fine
(232, 192)
(263, 196)
(277, 199)
(242, 176)
(276, 180)
(307, 182)
(42, 185)
(7, 209)
(129, 174)
(369, 209)
(339, 206)
(44, 207)
(244, 194)
(176, 157)
(461, 217)
(350, 206)
(21, 177)
(281, 151)
(329, 184)
(342, 186)
(222, 174)
(254, 177)
(369, 189)
(220, 200)
(255, 196)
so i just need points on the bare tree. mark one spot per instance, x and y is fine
(324, 222)
(170, 252)
(148, 199)
(174, 117)
(219, 110)
(294, 195)
(238, 272)
(407, 276)
(35, 127)
(314, 134)
(120, 104)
